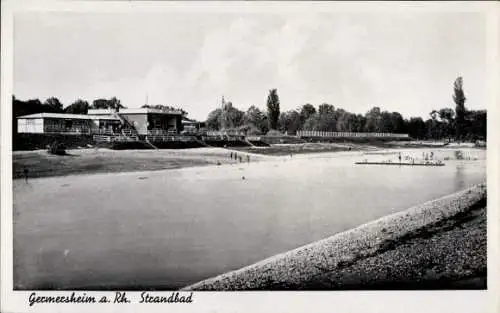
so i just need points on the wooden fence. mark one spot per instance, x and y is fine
(324, 134)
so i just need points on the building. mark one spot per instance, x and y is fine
(190, 125)
(50, 123)
(143, 120)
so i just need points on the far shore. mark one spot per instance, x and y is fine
(40, 163)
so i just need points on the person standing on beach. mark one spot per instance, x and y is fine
(231, 155)
(399, 157)
(25, 170)
(248, 158)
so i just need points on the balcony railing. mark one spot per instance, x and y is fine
(170, 138)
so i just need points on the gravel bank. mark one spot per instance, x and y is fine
(439, 244)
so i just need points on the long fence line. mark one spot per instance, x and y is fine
(108, 135)
(307, 133)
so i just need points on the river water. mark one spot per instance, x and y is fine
(167, 229)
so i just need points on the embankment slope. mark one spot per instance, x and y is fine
(435, 245)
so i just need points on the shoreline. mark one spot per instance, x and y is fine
(402, 250)
(105, 161)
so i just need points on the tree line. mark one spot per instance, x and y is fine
(458, 123)
(53, 105)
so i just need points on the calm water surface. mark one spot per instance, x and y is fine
(168, 229)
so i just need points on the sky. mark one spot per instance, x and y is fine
(405, 62)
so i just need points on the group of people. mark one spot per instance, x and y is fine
(425, 156)
(236, 157)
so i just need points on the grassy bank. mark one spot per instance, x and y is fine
(87, 161)
(440, 244)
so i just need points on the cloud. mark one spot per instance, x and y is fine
(404, 62)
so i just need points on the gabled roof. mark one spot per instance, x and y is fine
(68, 116)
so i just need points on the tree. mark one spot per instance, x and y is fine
(417, 128)
(273, 108)
(460, 110)
(446, 116)
(230, 117)
(305, 112)
(398, 123)
(78, 107)
(213, 119)
(112, 103)
(433, 129)
(326, 109)
(385, 124)
(53, 105)
(115, 104)
(373, 118)
(359, 122)
(345, 120)
(165, 108)
(325, 120)
(255, 118)
(475, 125)
(312, 122)
(289, 122)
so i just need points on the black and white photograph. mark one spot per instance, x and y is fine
(257, 147)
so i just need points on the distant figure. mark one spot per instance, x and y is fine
(231, 155)
(235, 156)
(248, 158)
(432, 155)
(240, 158)
(399, 157)
(25, 170)
(243, 177)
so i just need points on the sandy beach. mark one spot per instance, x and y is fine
(39, 163)
(89, 161)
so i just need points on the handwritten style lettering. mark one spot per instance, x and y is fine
(73, 298)
(175, 297)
